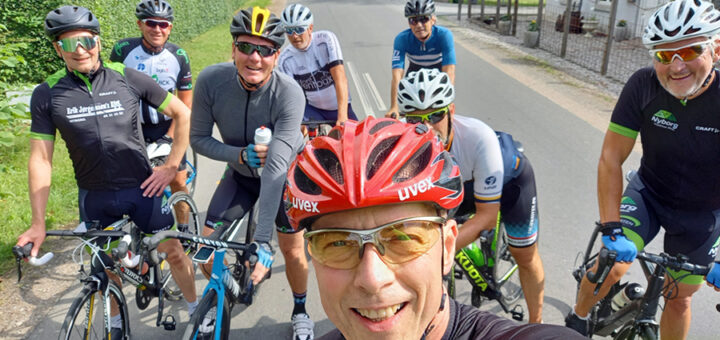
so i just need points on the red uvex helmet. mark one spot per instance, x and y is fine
(370, 163)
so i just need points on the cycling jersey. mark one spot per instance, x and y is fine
(311, 68)
(220, 99)
(680, 141)
(488, 158)
(496, 172)
(437, 51)
(469, 323)
(97, 116)
(170, 68)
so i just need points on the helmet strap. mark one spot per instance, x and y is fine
(705, 84)
(451, 135)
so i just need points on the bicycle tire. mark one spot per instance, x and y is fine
(205, 308)
(505, 266)
(76, 320)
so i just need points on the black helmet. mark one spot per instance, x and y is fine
(419, 7)
(68, 18)
(258, 22)
(154, 9)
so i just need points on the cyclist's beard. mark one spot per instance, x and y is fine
(697, 86)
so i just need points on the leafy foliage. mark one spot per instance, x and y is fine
(25, 34)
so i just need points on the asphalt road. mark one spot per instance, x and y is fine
(562, 146)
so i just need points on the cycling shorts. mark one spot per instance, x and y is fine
(518, 208)
(234, 196)
(695, 234)
(313, 113)
(151, 214)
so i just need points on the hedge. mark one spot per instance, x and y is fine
(24, 22)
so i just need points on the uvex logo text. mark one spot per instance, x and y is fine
(305, 205)
(415, 189)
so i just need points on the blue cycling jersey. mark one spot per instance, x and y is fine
(438, 50)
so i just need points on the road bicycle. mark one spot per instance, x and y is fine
(89, 314)
(228, 285)
(490, 269)
(628, 310)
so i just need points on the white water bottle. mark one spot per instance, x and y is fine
(263, 136)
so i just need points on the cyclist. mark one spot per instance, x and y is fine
(239, 97)
(425, 44)
(94, 105)
(169, 65)
(386, 282)
(499, 176)
(315, 60)
(672, 104)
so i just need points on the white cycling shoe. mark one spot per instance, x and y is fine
(302, 327)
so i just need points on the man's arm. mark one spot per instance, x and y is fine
(450, 70)
(397, 74)
(341, 91)
(616, 148)
(486, 215)
(39, 178)
(185, 96)
(162, 175)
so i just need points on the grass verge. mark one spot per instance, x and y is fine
(206, 49)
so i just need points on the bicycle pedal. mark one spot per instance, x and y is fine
(517, 313)
(169, 323)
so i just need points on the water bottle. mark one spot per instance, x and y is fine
(263, 136)
(632, 291)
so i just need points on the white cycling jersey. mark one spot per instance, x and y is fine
(477, 151)
(311, 68)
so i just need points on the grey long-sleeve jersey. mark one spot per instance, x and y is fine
(220, 100)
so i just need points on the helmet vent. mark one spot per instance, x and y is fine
(329, 161)
(305, 184)
(690, 14)
(379, 154)
(414, 165)
(381, 125)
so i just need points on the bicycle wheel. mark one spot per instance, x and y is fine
(202, 323)
(85, 319)
(194, 224)
(505, 269)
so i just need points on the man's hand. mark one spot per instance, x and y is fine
(392, 113)
(265, 260)
(254, 155)
(161, 177)
(713, 277)
(614, 239)
(36, 235)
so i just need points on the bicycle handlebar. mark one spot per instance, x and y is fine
(151, 242)
(313, 123)
(606, 259)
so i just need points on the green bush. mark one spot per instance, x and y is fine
(25, 30)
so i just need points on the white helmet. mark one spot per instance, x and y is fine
(424, 89)
(679, 20)
(296, 15)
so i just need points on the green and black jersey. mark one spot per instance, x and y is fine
(97, 116)
(680, 140)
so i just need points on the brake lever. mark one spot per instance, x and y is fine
(20, 254)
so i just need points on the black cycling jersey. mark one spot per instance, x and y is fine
(97, 117)
(170, 68)
(469, 323)
(680, 140)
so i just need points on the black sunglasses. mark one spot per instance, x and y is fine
(248, 48)
(155, 23)
(421, 19)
